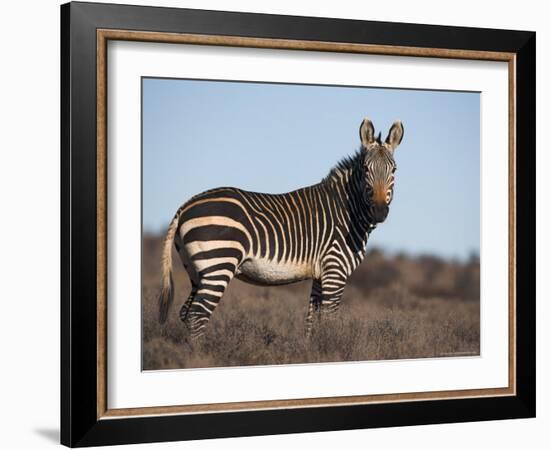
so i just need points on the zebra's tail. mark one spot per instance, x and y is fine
(167, 293)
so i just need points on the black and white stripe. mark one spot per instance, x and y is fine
(318, 232)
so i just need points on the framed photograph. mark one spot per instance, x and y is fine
(277, 224)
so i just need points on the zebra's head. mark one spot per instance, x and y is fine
(379, 167)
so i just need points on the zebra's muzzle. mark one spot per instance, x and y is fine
(380, 212)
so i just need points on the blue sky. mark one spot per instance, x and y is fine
(275, 138)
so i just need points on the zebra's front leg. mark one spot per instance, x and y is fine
(314, 306)
(332, 289)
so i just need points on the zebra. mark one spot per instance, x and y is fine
(318, 232)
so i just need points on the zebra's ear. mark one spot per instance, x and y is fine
(366, 133)
(395, 135)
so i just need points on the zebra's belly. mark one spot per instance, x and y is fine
(269, 273)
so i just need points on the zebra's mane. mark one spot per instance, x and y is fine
(345, 166)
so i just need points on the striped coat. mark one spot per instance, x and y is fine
(318, 232)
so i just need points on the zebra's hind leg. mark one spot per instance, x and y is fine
(193, 277)
(209, 292)
(185, 307)
(314, 306)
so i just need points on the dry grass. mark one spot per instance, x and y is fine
(393, 308)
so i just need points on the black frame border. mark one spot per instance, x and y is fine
(79, 423)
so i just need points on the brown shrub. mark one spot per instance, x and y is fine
(393, 308)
